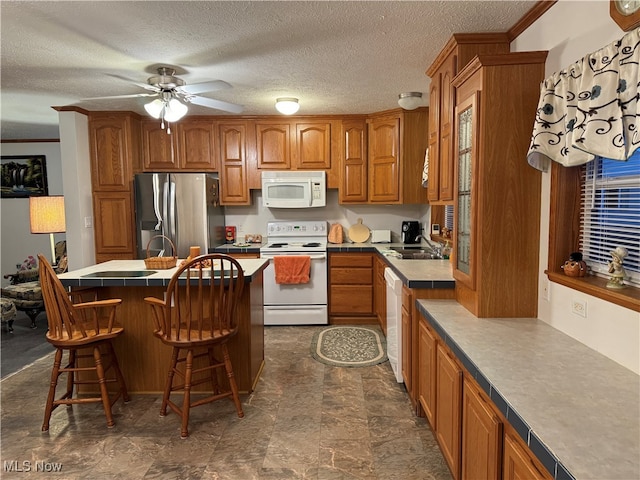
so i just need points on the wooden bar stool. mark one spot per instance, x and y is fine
(76, 326)
(197, 316)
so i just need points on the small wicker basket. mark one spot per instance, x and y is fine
(161, 263)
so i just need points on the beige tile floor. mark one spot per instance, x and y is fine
(305, 420)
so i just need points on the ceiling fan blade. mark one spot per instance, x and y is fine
(122, 96)
(146, 86)
(217, 104)
(201, 87)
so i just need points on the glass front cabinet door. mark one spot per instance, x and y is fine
(466, 218)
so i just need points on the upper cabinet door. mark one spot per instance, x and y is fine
(384, 160)
(313, 146)
(111, 154)
(273, 145)
(353, 175)
(466, 153)
(159, 148)
(234, 187)
(197, 145)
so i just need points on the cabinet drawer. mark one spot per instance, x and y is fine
(351, 276)
(351, 260)
(351, 299)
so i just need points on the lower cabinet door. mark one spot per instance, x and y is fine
(518, 464)
(481, 436)
(449, 408)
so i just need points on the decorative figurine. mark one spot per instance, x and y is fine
(616, 269)
(575, 266)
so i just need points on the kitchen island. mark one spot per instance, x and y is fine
(143, 358)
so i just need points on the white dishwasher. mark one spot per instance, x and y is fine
(394, 322)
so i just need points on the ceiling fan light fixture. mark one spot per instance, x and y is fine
(410, 100)
(287, 105)
(174, 110)
(154, 108)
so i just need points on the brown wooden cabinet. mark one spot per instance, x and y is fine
(115, 157)
(294, 145)
(159, 148)
(518, 463)
(457, 53)
(427, 349)
(351, 288)
(380, 293)
(481, 435)
(497, 97)
(406, 362)
(191, 146)
(234, 186)
(397, 141)
(448, 411)
(114, 147)
(113, 223)
(353, 169)
(197, 145)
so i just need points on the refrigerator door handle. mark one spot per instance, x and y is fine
(156, 200)
(172, 209)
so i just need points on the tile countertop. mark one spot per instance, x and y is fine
(572, 405)
(76, 278)
(414, 273)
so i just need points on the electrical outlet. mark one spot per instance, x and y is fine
(579, 307)
(546, 290)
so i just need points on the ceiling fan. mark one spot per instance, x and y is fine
(173, 93)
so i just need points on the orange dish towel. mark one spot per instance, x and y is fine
(292, 269)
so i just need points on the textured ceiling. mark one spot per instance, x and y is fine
(337, 57)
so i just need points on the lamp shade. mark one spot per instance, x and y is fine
(154, 108)
(174, 110)
(46, 214)
(410, 100)
(287, 106)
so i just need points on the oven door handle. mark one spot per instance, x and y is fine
(268, 256)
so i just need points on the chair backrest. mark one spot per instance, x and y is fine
(201, 300)
(65, 321)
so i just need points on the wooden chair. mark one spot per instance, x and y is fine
(199, 314)
(77, 326)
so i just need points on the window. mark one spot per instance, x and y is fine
(610, 214)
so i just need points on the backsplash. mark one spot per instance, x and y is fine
(254, 219)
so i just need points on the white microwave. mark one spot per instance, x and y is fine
(294, 189)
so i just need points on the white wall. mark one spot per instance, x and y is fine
(251, 220)
(569, 31)
(17, 240)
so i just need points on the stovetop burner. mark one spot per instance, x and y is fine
(311, 244)
(277, 245)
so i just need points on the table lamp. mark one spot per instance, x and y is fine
(46, 215)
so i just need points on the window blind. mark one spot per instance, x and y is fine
(610, 215)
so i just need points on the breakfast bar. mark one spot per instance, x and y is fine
(143, 358)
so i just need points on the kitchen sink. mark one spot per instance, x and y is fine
(415, 253)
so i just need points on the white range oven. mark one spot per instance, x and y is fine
(298, 303)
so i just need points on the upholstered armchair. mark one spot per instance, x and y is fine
(24, 291)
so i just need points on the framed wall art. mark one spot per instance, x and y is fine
(23, 176)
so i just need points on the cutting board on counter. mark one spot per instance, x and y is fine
(359, 233)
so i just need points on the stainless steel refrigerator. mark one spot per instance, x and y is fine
(184, 207)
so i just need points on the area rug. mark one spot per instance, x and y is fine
(349, 346)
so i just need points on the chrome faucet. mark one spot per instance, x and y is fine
(436, 248)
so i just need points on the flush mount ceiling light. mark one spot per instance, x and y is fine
(287, 106)
(410, 100)
(168, 108)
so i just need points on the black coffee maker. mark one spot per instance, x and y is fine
(410, 231)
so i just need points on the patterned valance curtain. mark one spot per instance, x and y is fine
(590, 108)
